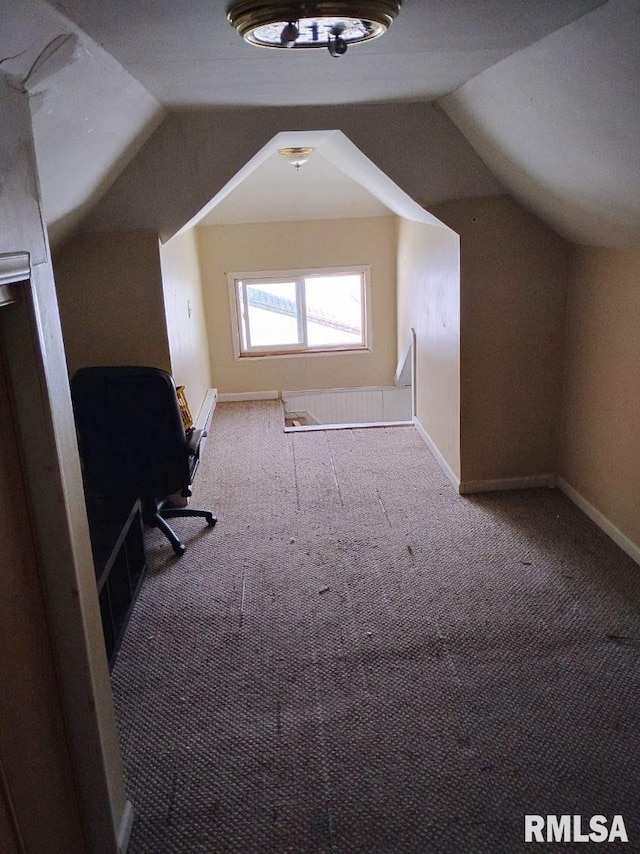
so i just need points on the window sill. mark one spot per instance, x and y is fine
(301, 354)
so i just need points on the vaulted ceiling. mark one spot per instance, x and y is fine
(538, 99)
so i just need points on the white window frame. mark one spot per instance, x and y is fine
(237, 295)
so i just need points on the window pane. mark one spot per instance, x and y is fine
(272, 315)
(334, 310)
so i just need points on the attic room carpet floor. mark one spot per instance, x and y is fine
(357, 659)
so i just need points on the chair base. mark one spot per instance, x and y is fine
(158, 519)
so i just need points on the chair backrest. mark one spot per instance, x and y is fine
(130, 431)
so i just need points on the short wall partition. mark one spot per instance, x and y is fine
(346, 407)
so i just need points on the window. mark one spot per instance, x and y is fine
(300, 311)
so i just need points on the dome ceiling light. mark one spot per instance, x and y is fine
(296, 156)
(334, 24)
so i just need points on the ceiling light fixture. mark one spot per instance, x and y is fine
(296, 156)
(334, 24)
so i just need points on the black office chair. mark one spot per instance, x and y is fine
(133, 443)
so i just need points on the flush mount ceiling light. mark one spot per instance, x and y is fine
(334, 24)
(296, 156)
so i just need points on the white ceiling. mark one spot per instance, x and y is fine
(546, 92)
(277, 192)
(347, 184)
(559, 124)
(186, 54)
(89, 114)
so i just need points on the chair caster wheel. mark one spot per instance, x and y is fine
(179, 549)
(211, 521)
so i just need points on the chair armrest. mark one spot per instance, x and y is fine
(194, 437)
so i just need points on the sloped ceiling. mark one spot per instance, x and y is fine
(546, 92)
(277, 192)
(559, 124)
(196, 153)
(90, 116)
(336, 168)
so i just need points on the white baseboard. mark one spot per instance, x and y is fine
(444, 465)
(536, 481)
(601, 520)
(248, 395)
(124, 830)
(348, 390)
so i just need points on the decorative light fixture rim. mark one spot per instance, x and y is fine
(290, 153)
(248, 15)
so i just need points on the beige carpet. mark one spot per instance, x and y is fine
(356, 659)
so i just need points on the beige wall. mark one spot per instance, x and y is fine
(111, 303)
(599, 454)
(60, 568)
(35, 766)
(513, 280)
(299, 245)
(429, 302)
(186, 324)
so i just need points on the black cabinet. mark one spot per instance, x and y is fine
(117, 542)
